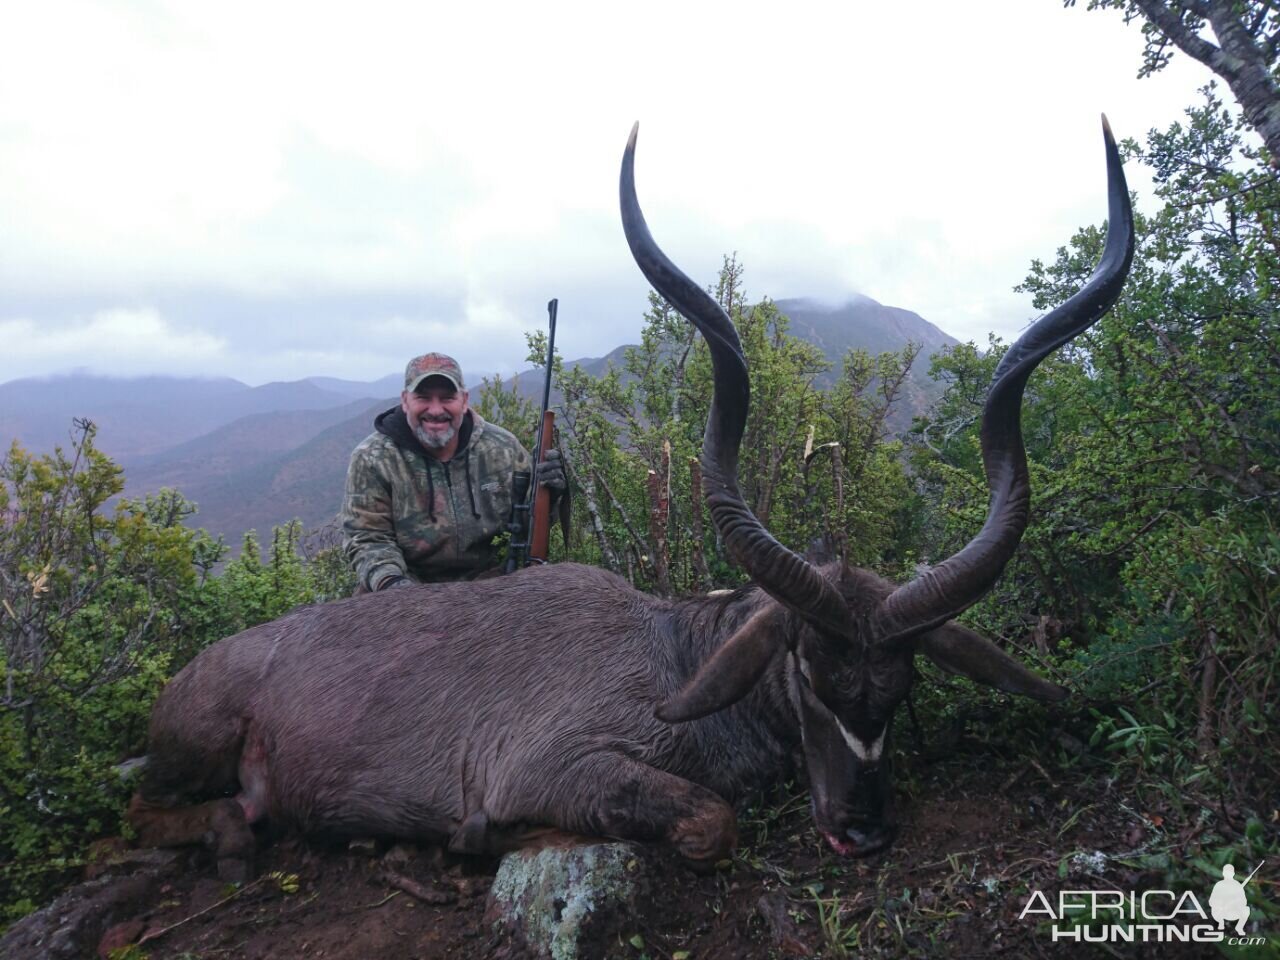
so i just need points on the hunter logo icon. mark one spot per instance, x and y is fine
(1227, 902)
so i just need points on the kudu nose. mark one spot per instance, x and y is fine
(868, 837)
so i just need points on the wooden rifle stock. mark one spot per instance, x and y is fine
(540, 532)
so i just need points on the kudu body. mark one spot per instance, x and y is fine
(560, 696)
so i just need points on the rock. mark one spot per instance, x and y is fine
(108, 857)
(558, 899)
(121, 935)
(71, 927)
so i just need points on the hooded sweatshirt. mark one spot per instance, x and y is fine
(405, 512)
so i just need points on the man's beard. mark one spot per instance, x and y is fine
(433, 440)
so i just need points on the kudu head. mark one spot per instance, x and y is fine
(850, 637)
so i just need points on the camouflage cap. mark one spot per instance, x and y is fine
(432, 365)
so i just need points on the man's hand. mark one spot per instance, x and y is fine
(386, 583)
(550, 472)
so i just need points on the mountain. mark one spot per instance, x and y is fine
(235, 448)
(304, 481)
(860, 323)
(388, 386)
(254, 457)
(143, 415)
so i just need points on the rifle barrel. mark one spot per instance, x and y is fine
(552, 306)
(540, 519)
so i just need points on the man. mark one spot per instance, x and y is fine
(431, 488)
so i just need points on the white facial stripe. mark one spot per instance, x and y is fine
(867, 753)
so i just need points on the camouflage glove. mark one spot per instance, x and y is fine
(386, 583)
(550, 473)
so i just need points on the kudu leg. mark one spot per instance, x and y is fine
(638, 802)
(221, 825)
(218, 824)
(478, 835)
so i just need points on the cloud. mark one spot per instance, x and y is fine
(116, 341)
(319, 180)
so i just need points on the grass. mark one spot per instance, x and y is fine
(1048, 809)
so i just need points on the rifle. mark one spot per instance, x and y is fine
(531, 526)
(540, 522)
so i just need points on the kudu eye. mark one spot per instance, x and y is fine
(814, 679)
(815, 690)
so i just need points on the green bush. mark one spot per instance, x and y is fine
(97, 611)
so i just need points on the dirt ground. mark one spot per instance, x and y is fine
(981, 828)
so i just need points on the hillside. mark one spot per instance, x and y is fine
(861, 323)
(241, 483)
(223, 469)
(254, 457)
(144, 415)
(864, 324)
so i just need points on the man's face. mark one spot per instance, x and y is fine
(435, 412)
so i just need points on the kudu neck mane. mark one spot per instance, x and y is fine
(753, 741)
(701, 625)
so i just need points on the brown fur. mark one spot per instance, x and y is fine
(472, 712)
(459, 711)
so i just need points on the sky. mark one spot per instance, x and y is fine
(269, 191)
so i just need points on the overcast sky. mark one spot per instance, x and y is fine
(269, 191)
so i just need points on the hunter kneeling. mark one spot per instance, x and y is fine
(431, 488)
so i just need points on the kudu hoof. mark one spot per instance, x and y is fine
(472, 835)
(706, 838)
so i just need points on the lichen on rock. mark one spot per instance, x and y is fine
(557, 897)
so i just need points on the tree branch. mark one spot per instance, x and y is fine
(1168, 21)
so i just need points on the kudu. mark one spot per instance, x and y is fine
(560, 696)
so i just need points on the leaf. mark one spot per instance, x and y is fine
(288, 883)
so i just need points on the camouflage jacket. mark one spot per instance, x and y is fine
(407, 513)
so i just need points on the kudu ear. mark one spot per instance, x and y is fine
(958, 649)
(731, 672)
